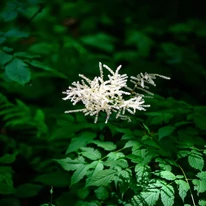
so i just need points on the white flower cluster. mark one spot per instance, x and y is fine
(108, 95)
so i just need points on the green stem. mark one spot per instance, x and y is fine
(51, 198)
(193, 201)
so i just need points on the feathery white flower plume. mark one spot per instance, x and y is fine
(99, 95)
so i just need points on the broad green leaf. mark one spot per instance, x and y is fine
(6, 189)
(179, 124)
(2, 38)
(179, 176)
(182, 28)
(126, 174)
(80, 172)
(202, 202)
(28, 190)
(108, 146)
(144, 155)
(9, 14)
(142, 42)
(202, 175)
(167, 195)
(83, 192)
(42, 48)
(133, 143)
(56, 179)
(127, 136)
(91, 153)
(112, 163)
(150, 197)
(6, 182)
(25, 55)
(146, 140)
(16, 33)
(81, 141)
(123, 130)
(199, 185)
(4, 57)
(163, 164)
(115, 155)
(196, 161)
(18, 71)
(69, 164)
(183, 153)
(103, 178)
(7, 49)
(100, 40)
(167, 175)
(40, 65)
(142, 171)
(97, 166)
(200, 121)
(137, 200)
(6, 169)
(8, 158)
(183, 188)
(101, 193)
(125, 55)
(165, 131)
(164, 117)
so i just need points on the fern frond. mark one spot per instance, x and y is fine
(20, 116)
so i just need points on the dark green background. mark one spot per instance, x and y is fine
(61, 39)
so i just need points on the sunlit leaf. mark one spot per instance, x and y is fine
(103, 178)
(199, 185)
(82, 140)
(69, 164)
(167, 175)
(108, 146)
(91, 153)
(80, 172)
(183, 188)
(196, 161)
(151, 197)
(97, 167)
(167, 195)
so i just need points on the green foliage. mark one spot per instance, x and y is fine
(160, 172)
